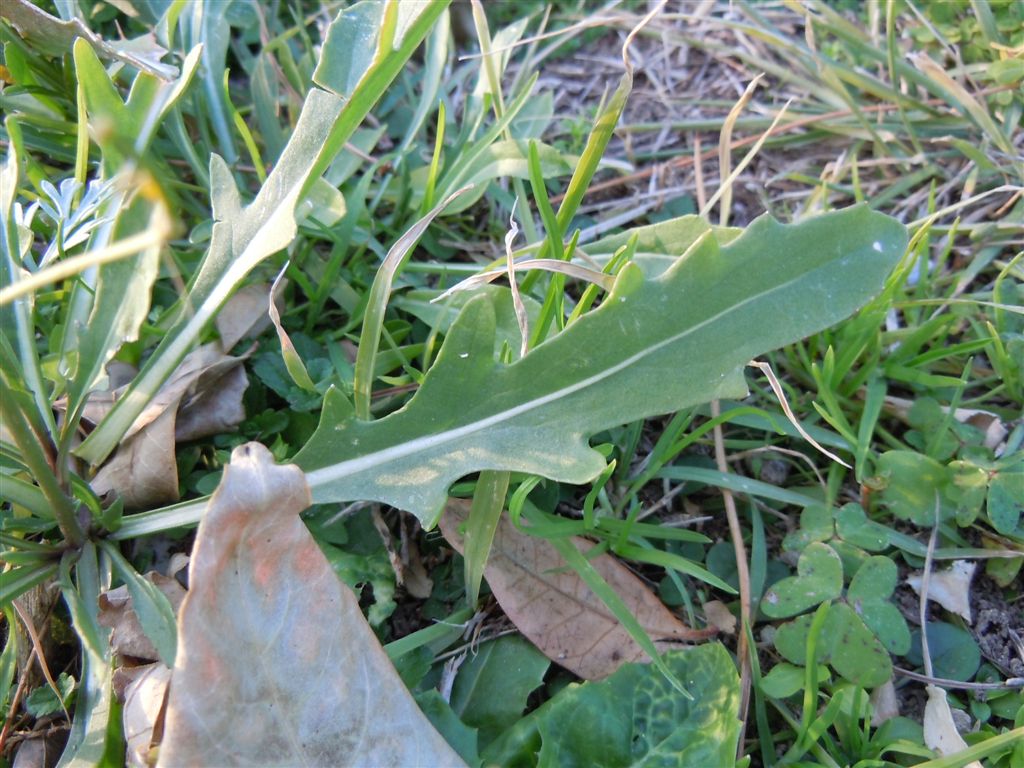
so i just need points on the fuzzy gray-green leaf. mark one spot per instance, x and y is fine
(654, 346)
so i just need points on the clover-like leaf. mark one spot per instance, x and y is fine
(854, 526)
(845, 643)
(819, 578)
(869, 597)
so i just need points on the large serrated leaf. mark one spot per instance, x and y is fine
(654, 346)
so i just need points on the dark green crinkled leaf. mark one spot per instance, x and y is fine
(633, 718)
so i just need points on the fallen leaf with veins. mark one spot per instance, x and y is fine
(276, 664)
(552, 606)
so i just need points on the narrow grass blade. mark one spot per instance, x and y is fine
(484, 513)
(377, 303)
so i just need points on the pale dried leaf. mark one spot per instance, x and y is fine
(417, 582)
(244, 315)
(718, 615)
(116, 613)
(216, 408)
(950, 588)
(552, 606)
(143, 704)
(940, 732)
(276, 664)
(884, 703)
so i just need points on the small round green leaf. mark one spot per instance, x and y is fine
(819, 578)
(955, 654)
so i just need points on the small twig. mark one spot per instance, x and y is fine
(37, 652)
(925, 579)
(1009, 684)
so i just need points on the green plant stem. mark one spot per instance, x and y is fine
(34, 458)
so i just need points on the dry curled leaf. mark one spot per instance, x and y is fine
(940, 731)
(143, 704)
(203, 397)
(116, 613)
(950, 588)
(276, 664)
(719, 615)
(550, 604)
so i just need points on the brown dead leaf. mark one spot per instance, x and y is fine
(205, 364)
(116, 613)
(554, 608)
(143, 470)
(276, 664)
(719, 615)
(244, 315)
(215, 408)
(203, 397)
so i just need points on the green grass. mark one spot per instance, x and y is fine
(920, 392)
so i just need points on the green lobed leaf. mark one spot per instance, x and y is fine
(1006, 501)
(854, 527)
(869, 595)
(954, 652)
(677, 338)
(786, 679)
(913, 482)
